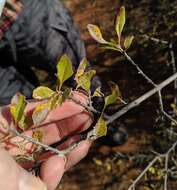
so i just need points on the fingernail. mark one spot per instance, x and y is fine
(55, 168)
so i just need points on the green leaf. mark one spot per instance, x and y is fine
(98, 93)
(40, 113)
(120, 22)
(128, 41)
(60, 100)
(152, 170)
(96, 34)
(42, 92)
(113, 42)
(109, 47)
(64, 70)
(17, 107)
(53, 102)
(101, 128)
(81, 69)
(24, 122)
(85, 80)
(115, 93)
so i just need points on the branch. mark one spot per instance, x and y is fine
(173, 63)
(138, 69)
(166, 172)
(142, 173)
(166, 156)
(153, 84)
(61, 153)
(156, 40)
(141, 99)
(87, 107)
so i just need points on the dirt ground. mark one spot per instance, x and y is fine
(113, 168)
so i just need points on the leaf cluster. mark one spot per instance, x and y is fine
(121, 44)
(50, 98)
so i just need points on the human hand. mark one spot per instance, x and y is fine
(71, 119)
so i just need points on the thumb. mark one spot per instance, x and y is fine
(19, 178)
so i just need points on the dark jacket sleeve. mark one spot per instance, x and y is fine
(41, 34)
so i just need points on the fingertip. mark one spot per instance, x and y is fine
(52, 171)
(28, 182)
(11, 172)
(77, 154)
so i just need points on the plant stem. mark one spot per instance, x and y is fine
(173, 63)
(61, 153)
(88, 108)
(153, 84)
(166, 172)
(166, 156)
(141, 99)
(143, 172)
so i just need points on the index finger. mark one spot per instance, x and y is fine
(63, 121)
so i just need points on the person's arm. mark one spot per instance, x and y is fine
(2, 3)
(70, 118)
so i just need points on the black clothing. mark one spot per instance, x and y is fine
(42, 33)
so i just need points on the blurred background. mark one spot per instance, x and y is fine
(113, 167)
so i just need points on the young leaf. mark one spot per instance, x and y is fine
(128, 41)
(120, 22)
(85, 80)
(81, 69)
(101, 128)
(53, 102)
(17, 107)
(115, 93)
(60, 98)
(96, 33)
(109, 47)
(64, 69)
(37, 135)
(113, 42)
(40, 113)
(24, 122)
(42, 92)
(98, 93)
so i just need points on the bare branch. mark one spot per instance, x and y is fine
(156, 40)
(173, 63)
(143, 173)
(153, 84)
(88, 108)
(141, 99)
(166, 172)
(166, 156)
(61, 153)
